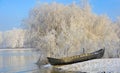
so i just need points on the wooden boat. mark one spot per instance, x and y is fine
(77, 58)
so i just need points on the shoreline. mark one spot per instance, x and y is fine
(17, 49)
(111, 65)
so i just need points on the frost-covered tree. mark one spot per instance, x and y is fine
(62, 30)
(117, 26)
(1, 39)
(14, 38)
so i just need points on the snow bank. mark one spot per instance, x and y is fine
(95, 66)
(47, 66)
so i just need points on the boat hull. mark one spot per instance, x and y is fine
(77, 58)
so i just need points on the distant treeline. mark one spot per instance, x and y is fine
(12, 39)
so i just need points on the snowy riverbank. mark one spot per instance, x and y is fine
(95, 66)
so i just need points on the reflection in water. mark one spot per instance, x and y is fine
(12, 61)
(23, 61)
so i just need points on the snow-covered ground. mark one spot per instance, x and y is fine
(95, 66)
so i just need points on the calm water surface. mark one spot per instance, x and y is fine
(22, 61)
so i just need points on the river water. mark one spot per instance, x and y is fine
(22, 61)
